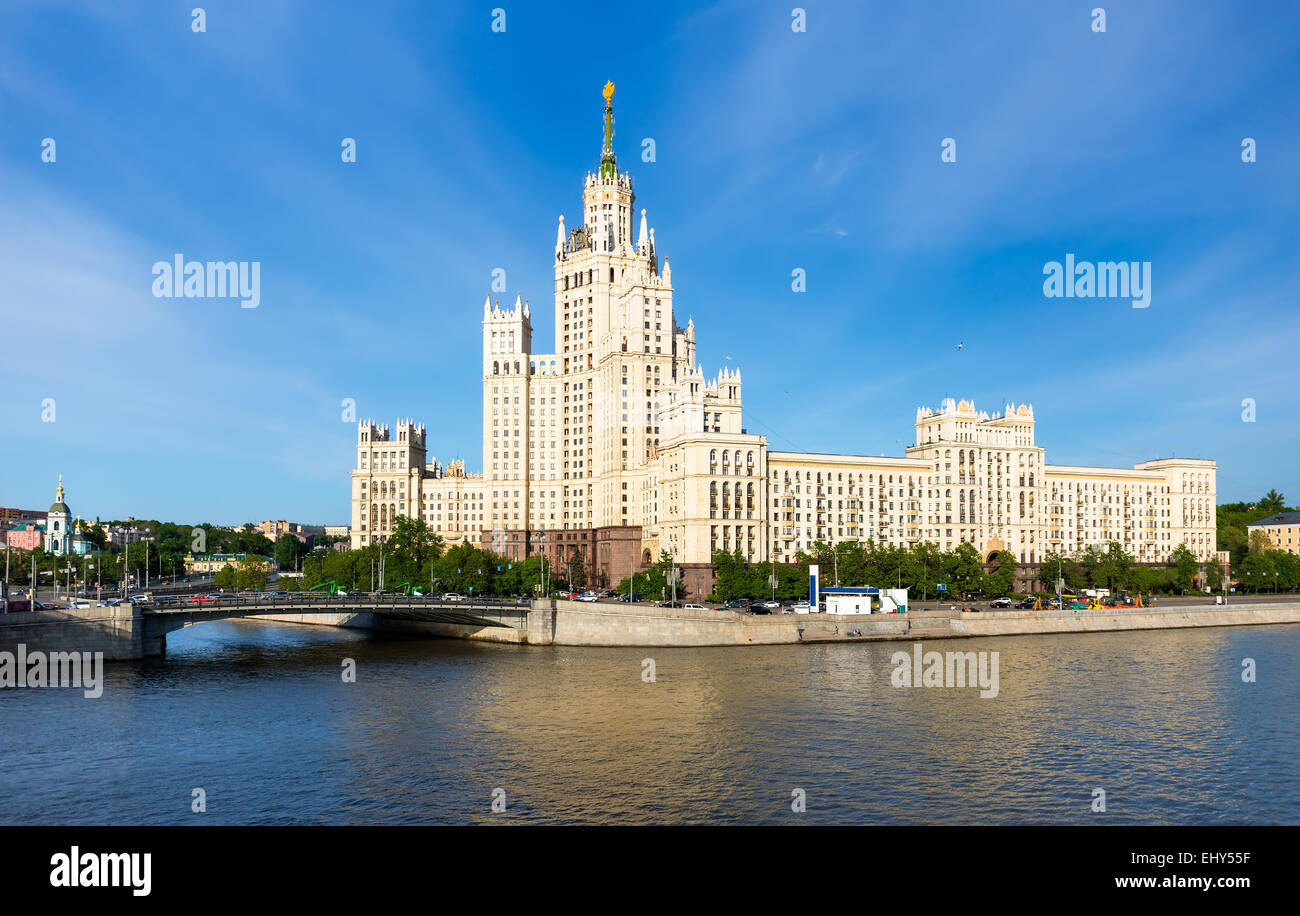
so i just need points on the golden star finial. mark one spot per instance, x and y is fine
(609, 90)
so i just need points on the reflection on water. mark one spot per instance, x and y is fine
(258, 716)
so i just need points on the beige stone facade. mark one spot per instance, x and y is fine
(1283, 530)
(619, 428)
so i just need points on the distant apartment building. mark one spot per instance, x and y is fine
(121, 535)
(276, 529)
(26, 535)
(273, 529)
(10, 516)
(213, 562)
(1282, 529)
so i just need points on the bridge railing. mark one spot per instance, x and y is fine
(167, 603)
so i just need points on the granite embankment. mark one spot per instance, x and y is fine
(122, 633)
(574, 623)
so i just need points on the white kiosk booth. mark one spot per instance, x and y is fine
(866, 600)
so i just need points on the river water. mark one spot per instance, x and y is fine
(258, 716)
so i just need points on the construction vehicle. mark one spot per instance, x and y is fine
(331, 588)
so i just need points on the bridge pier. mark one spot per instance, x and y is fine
(121, 633)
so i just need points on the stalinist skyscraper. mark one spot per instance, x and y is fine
(616, 446)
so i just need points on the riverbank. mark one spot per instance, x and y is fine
(123, 634)
(573, 623)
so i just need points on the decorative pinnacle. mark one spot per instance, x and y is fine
(607, 168)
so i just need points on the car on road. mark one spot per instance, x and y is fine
(801, 607)
(630, 598)
(589, 596)
(1027, 604)
(1000, 602)
(452, 596)
(694, 607)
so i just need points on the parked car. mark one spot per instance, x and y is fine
(589, 596)
(801, 607)
(1027, 604)
(630, 598)
(1000, 602)
(772, 605)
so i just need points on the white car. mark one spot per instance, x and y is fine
(694, 607)
(803, 607)
(452, 596)
(589, 596)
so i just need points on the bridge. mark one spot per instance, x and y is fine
(123, 631)
(168, 614)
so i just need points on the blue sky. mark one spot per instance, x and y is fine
(775, 150)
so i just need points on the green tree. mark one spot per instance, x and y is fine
(577, 569)
(410, 550)
(1002, 579)
(1257, 572)
(1259, 541)
(1214, 576)
(1272, 503)
(252, 573)
(1185, 567)
(962, 568)
(286, 551)
(224, 577)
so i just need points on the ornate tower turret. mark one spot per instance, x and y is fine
(608, 165)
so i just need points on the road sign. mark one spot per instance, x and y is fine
(941, 587)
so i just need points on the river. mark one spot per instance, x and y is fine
(258, 716)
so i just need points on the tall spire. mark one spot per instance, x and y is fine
(607, 166)
(642, 237)
(559, 237)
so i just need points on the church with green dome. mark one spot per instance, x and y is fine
(63, 534)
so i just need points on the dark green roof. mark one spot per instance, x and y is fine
(61, 507)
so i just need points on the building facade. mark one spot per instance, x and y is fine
(1283, 530)
(25, 535)
(616, 446)
(121, 535)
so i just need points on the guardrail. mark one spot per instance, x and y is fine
(193, 602)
